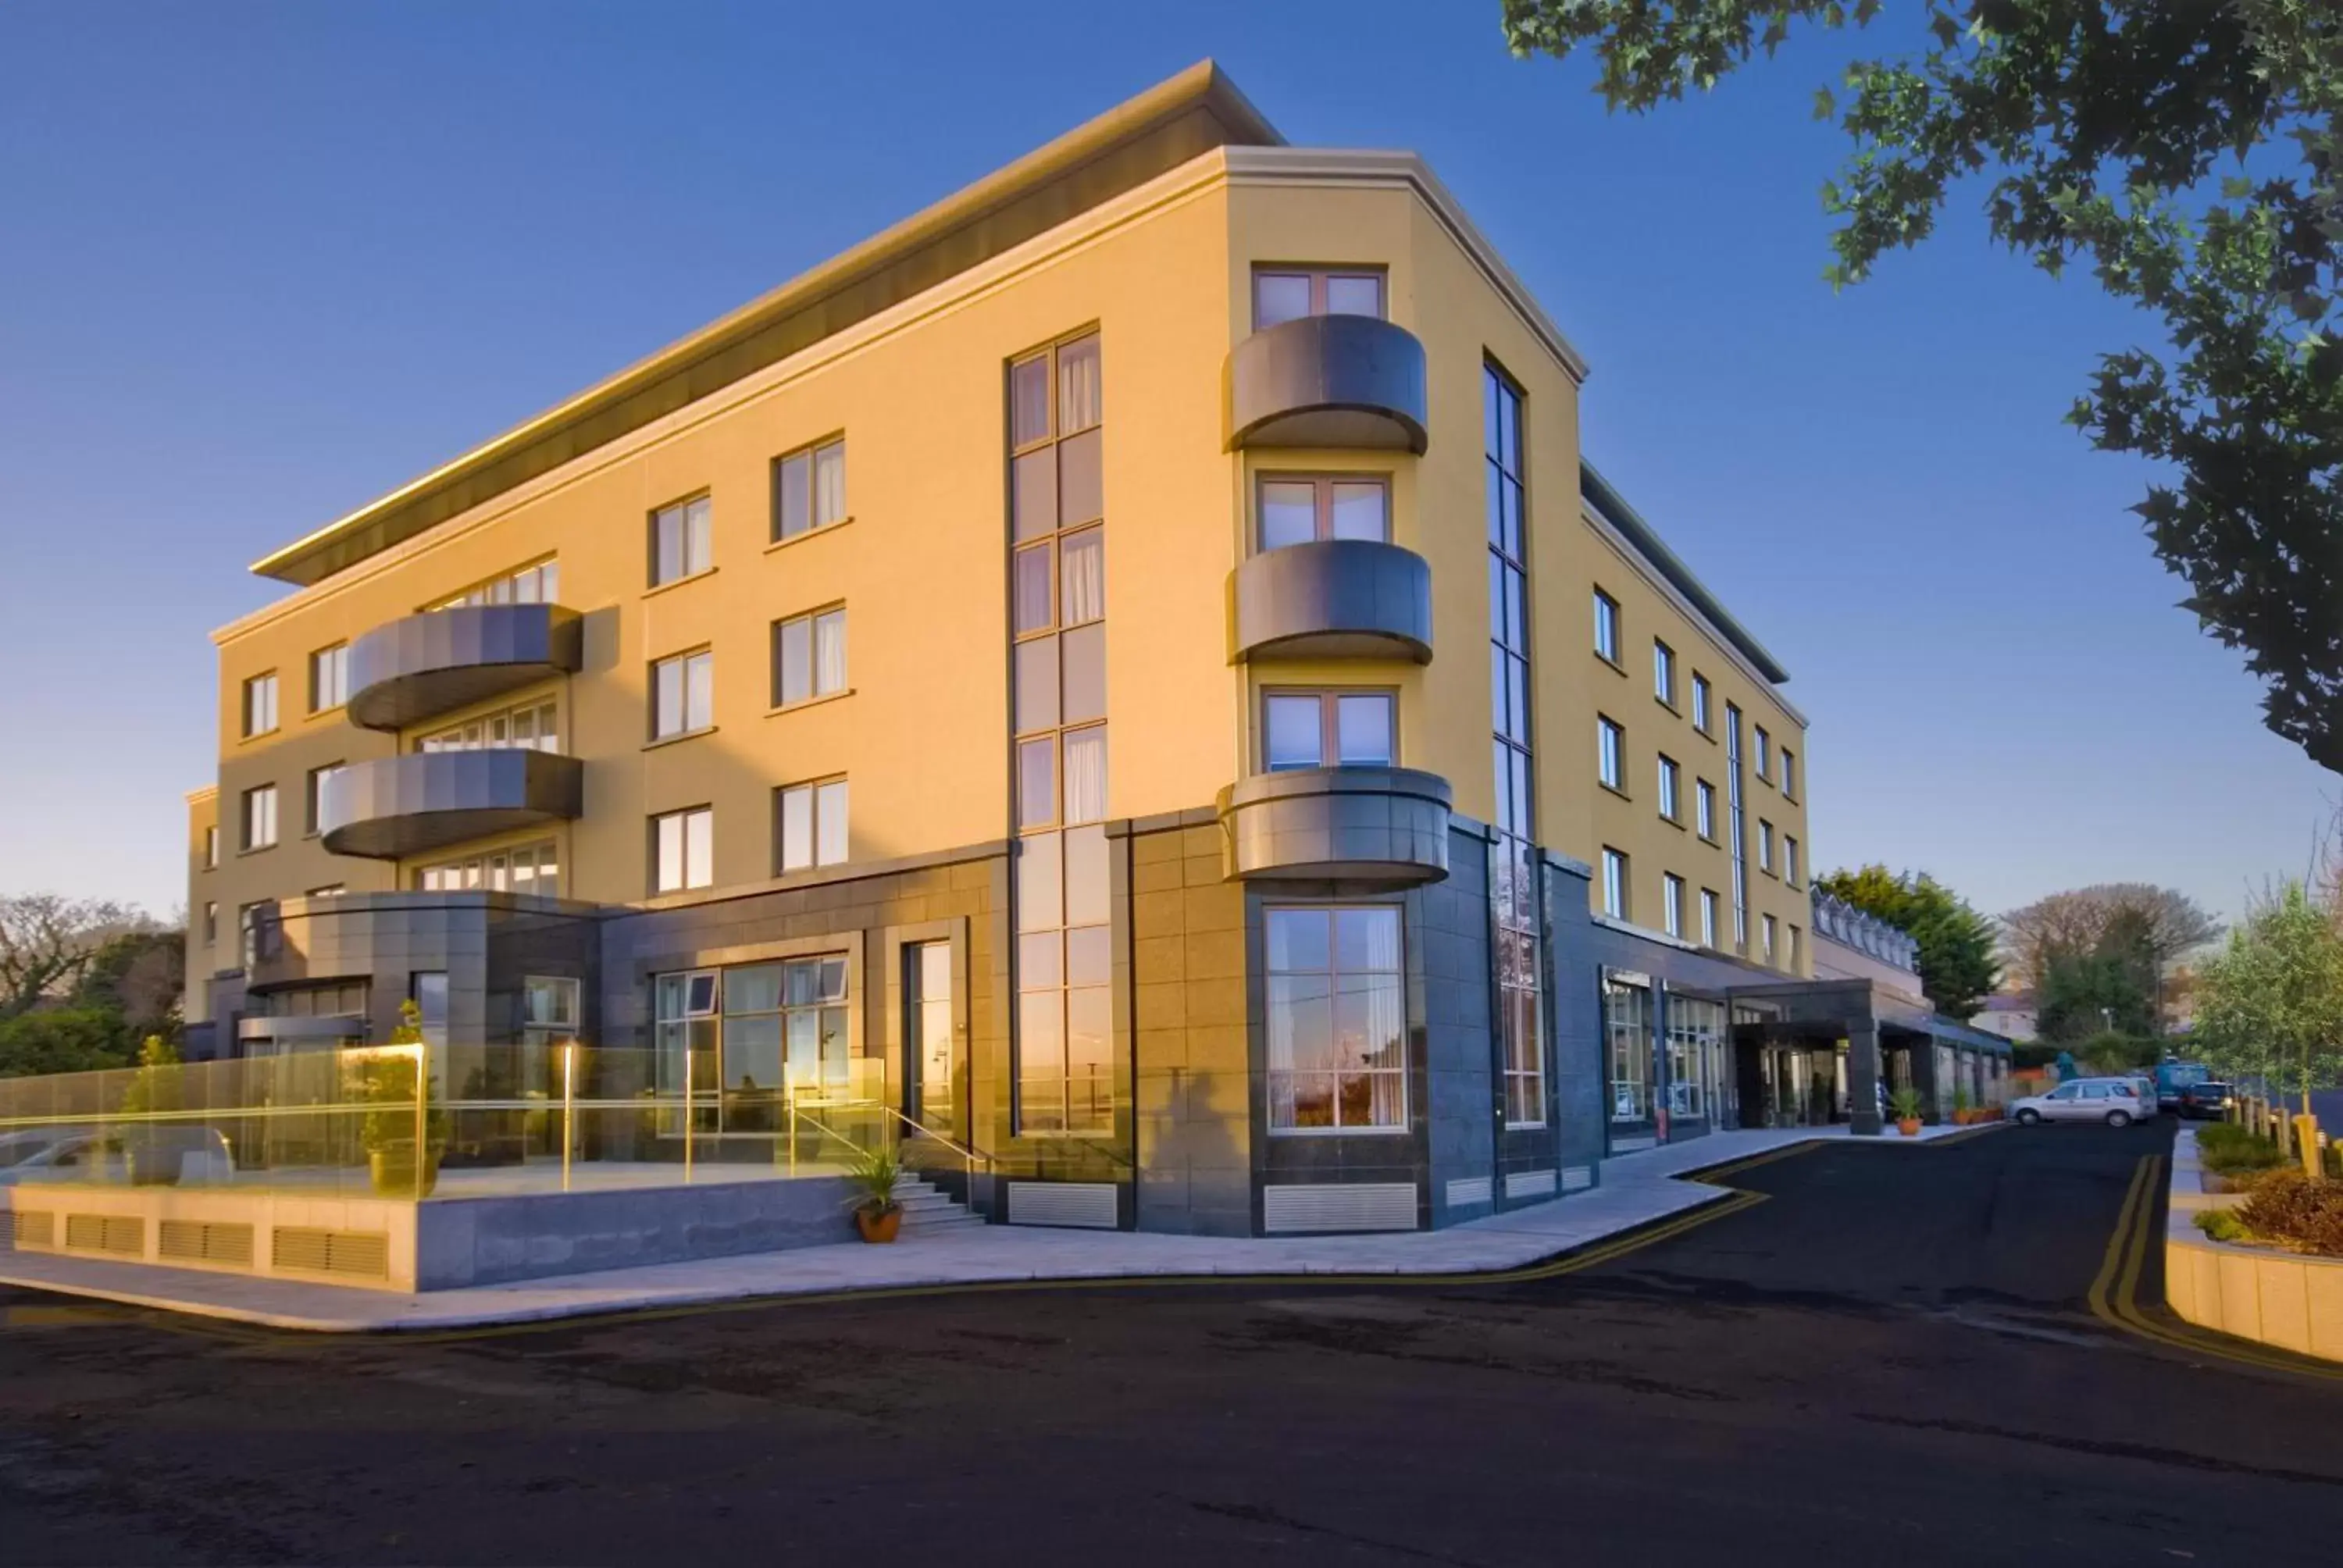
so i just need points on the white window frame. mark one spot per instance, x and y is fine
(1670, 787)
(1702, 706)
(1614, 882)
(1703, 798)
(1672, 912)
(1611, 753)
(1664, 672)
(1709, 906)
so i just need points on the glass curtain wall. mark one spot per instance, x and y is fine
(1063, 1035)
(1513, 864)
(1738, 846)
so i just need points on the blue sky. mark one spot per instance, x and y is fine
(263, 262)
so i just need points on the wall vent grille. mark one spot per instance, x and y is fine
(1466, 1189)
(201, 1241)
(34, 1228)
(1529, 1184)
(1087, 1205)
(1577, 1178)
(124, 1235)
(1339, 1206)
(310, 1251)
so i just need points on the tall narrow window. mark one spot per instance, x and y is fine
(1664, 672)
(1610, 754)
(1671, 789)
(1672, 904)
(1627, 1030)
(1789, 774)
(1606, 625)
(314, 799)
(1336, 1019)
(682, 541)
(683, 694)
(260, 817)
(1281, 294)
(1738, 846)
(329, 678)
(1791, 961)
(1764, 845)
(260, 705)
(809, 656)
(809, 489)
(1614, 884)
(1767, 927)
(1515, 905)
(1703, 816)
(1295, 509)
(211, 848)
(1765, 744)
(1708, 917)
(812, 824)
(1062, 1027)
(928, 1024)
(1700, 693)
(1790, 859)
(211, 923)
(683, 851)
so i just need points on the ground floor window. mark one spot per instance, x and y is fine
(754, 1035)
(533, 869)
(1337, 1019)
(1627, 1030)
(1695, 1056)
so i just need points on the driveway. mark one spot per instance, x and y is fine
(1889, 1358)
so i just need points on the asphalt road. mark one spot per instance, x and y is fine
(1889, 1359)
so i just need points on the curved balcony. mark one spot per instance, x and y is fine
(1331, 599)
(399, 806)
(410, 670)
(1327, 381)
(1386, 826)
(282, 1034)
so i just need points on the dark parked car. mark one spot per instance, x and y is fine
(2205, 1101)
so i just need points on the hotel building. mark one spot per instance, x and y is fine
(1131, 664)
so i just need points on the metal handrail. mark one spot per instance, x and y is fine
(924, 1131)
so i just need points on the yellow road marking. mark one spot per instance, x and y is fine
(2115, 1299)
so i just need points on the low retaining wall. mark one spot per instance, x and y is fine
(387, 1245)
(2254, 1292)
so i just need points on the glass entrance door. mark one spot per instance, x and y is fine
(935, 1062)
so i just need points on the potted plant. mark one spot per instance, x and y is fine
(388, 1086)
(1961, 1112)
(1908, 1107)
(874, 1175)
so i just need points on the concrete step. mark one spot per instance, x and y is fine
(951, 1219)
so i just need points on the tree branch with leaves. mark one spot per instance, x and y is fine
(2190, 153)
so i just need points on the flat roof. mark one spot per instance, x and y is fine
(1191, 114)
(1605, 499)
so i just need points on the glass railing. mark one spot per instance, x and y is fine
(492, 1120)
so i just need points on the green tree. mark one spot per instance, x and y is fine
(2081, 994)
(1957, 943)
(64, 1039)
(2101, 127)
(2271, 1005)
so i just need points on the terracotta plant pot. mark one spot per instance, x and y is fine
(1909, 1126)
(877, 1226)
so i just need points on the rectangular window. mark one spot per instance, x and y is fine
(1627, 1032)
(1282, 294)
(1700, 703)
(755, 1035)
(531, 727)
(247, 928)
(532, 868)
(1295, 508)
(809, 489)
(1704, 802)
(812, 824)
(683, 694)
(1671, 790)
(683, 851)
(330, 891)
(1664, 672)
(1737, 819)
(211, 924)
(1789, 774)
(1610, 754)
(1696, 1056)
(314, 796)
(1797, 941)
(211, 848)
(1516, 912)
(539, 582)
(1606, 625)
(1337, 1019)
(1672, 904)
(329, 678)
(1614, 884)
(682, 541)
(1767, 927)
(1765, 744)
(260, 705)
(809, 657)
(548, 1008)
(1764, 845)
(1708, 917)
(260, 817)
(1327, 730)
(1790, 859)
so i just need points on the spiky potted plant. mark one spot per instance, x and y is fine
(1908, 1107)
(1962, 1112)
(387, 1085)
(874, 1175)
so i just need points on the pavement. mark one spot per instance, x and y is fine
(1637, 1190)
(1860, 1353)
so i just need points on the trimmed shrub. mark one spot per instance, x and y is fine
(2289, 1208)
(2231, 1151)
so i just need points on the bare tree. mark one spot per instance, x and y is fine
(46, 941)
(2162, 922)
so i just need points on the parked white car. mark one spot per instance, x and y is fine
(2114, 1100)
